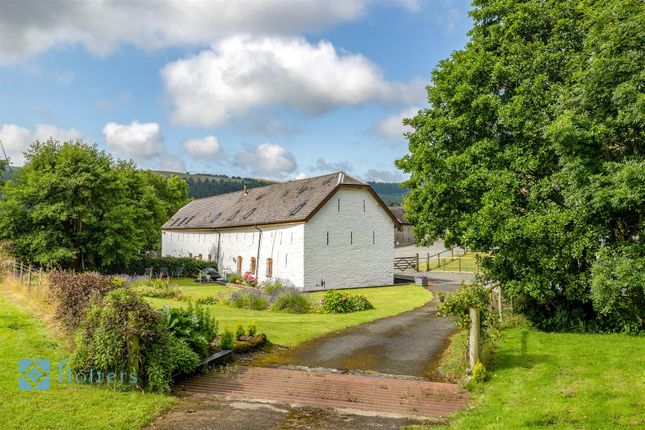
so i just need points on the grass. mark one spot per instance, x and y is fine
(290, 329)
(461, 263)
(560, 381)
(63, 406)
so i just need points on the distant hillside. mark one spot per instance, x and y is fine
(206, 185)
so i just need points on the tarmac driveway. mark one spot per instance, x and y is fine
(404, 344)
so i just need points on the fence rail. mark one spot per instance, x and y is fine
(455, 259)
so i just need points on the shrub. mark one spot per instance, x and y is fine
(290, 300)
(125, 334)
(248, 298)
(458, 304)
(193, 324)
(335, 302)
(234, 278)
(72, 294)
(249, 279)
(271, 286)
(157, 287)
(209, 300)
(227, 340)
(479, 374)
(189, 265)
(239, 331)
(251, 329)
(359, 303)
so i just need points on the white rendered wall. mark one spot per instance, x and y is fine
(360, 252)
(181, 244)
(284, 244)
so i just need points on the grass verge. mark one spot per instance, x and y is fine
(558, 380)
(290, 329)
(63, 406)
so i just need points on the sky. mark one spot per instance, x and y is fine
(274, 89)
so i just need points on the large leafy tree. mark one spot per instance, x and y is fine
(72, 205)
(532, 148)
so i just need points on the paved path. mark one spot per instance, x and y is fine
(384, 396)
(404, 344)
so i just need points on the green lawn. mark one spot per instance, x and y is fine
(63, 406)
(561, 381)
(290, 329)
(465, 263)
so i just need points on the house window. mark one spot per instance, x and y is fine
(210, 257)
(190, 255)
(252, 265)
(199, 257)
(269, 267)
(239, 265)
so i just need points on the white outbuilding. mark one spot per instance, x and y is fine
(327, 232)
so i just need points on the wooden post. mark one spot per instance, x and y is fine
(20, 271)
(417, 262)
(427, 262)
(499, 301)
(473, 338)
(459, 259)
(29, 277)
(40, 279)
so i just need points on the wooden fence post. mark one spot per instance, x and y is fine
(459, 259)
(499, 301)
(473, 338)
(417, 262)
(21, 271)
(427, 262)
(29, 277)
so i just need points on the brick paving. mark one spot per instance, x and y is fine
(383, 396)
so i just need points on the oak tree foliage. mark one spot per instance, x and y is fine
(532, 148)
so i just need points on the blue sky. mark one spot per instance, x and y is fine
(280, 89)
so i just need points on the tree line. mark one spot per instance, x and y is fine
(74, 206)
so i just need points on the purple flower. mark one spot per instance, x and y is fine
(344, 299)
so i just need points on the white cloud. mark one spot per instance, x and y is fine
(269, 160)
(392, 126)
(324, 166)
(207, 147)
(135, 140)
(172, 163)
(374, 175)
(244, 72)
(297, 176)
(17, 139)
(46, 131)
(30, 27)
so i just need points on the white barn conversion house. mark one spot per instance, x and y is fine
(327, 232)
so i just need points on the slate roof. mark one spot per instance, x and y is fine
(293, 201)
(399, 213)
